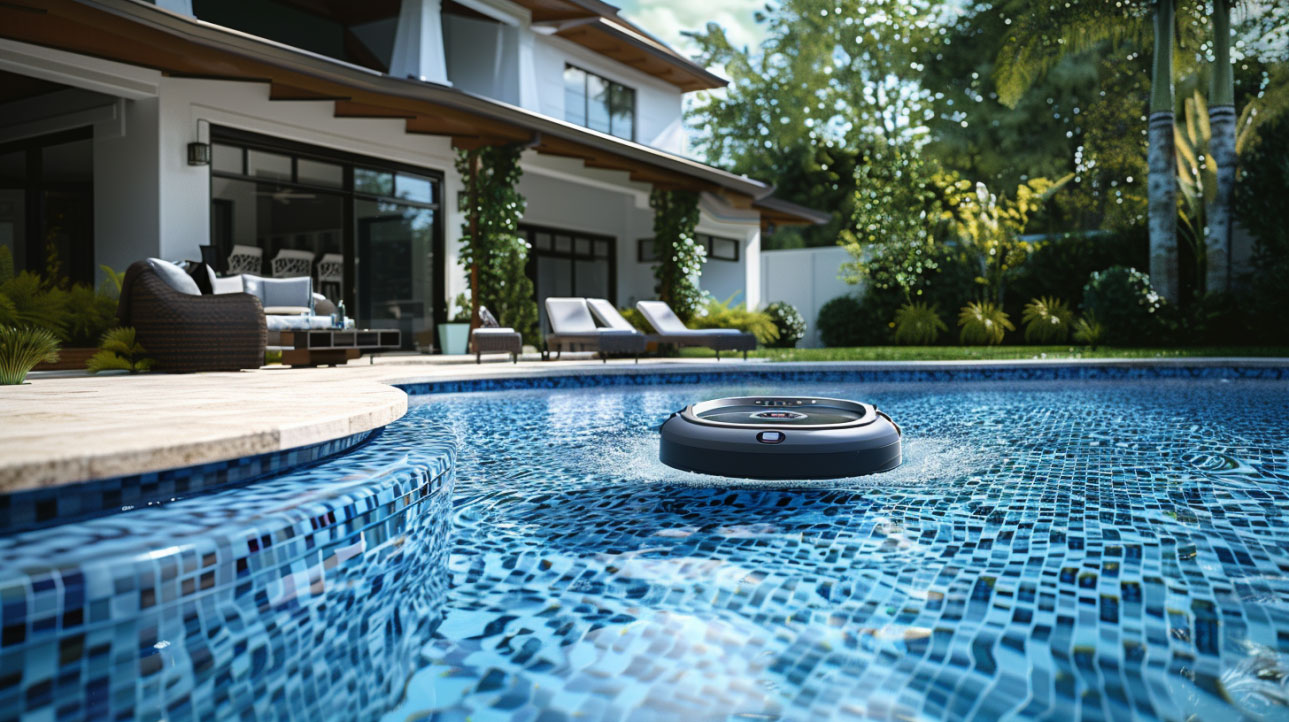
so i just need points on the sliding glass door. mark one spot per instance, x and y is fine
(368, 232)
(567, 263)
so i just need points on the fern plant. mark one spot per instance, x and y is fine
(983, 322)
(918, 324)
(30, 303)
(1047, 320)
(715, 314)
(21, 349)
(120, 351)
(1088, 331)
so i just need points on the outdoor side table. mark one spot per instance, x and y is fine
(315, 347)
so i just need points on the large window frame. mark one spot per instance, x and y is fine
(79, 267)
(614, 90)
(349, 227)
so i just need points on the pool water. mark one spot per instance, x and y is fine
(1048, 550)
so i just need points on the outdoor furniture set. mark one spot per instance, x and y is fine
(574, 328)
(225, 324)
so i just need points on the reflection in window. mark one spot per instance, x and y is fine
(375, 182)
(268, 165)
(598, 103)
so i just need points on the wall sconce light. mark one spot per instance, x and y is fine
(199, 154)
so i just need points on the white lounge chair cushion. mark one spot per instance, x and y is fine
(569, 316)
(662, 318)
(498, 331)
(608, 315)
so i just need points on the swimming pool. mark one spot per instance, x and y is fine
(1092, 550)
(1099, 549)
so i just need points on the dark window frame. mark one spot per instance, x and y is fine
(348, 162)
(81, 268)
(586, 100)
(644, 248)
(527, 231)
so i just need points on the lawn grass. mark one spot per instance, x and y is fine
(992, 353)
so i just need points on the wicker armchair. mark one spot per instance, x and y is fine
(186, 333)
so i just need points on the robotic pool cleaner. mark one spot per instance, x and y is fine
(781, 437)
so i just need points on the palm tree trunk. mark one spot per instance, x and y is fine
(1221, 115)
(1162, 183)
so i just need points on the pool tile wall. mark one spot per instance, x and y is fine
(274, 600)
(61, 504)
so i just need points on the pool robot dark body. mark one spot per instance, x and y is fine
(781, 437)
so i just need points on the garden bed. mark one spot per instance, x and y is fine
(998, 353)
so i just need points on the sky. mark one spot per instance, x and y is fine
(666, 19)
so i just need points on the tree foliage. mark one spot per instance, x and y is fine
(680, 255)
(497, 254)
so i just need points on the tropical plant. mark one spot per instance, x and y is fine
(492, 251)
(21, 349)
(1123, 301)
(989, 226)
(680, 255)
(1260, 200)
(31, 303)
(841, 322)
(1088, 331)
(983, 322)
(636, 319)
(459, 311)
(918, 324)
(727, 314)
(788, 320)
(120, 351)
(1060, 266)
(1047, 320)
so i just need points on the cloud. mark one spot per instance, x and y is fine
(667, 19)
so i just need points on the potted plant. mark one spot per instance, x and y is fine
(454, 335)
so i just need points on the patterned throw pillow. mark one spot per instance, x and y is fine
(486, 319)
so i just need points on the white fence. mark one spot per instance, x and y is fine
(806, 278)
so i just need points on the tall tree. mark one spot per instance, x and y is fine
(1221, 118)
(832, 79)
(1162, 182)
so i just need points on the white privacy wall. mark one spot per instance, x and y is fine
(806, 278)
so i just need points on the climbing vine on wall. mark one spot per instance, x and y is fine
(680, 255)
(492, 252)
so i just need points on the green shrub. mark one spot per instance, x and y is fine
(983, 322)
(1088, 331)
(787, 319)
(120, 351)
(89, 314)
(1261, 188)
(1060, 266)
(715, 314)
(21, 349)
(1047, 320)
(918, 324)
(1124, 303)
(637, 319)
(841, 323)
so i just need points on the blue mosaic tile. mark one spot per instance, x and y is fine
(61, 504)
(782, 374)
(304, 596)
(1095, 550)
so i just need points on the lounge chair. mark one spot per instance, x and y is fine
(492, 337)
(185, 331)
(674, 331)
(573, 329)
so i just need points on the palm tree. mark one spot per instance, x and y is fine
(1162, 160)
(1222, 149)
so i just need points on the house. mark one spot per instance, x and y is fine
(318, 137)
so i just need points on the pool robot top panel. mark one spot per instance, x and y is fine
(781, 437)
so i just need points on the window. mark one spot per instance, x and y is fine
(598, 103)
(718, 249)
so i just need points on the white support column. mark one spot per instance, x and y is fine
(752, 269)
(528, 95)
(418, 43)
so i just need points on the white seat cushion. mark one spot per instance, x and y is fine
(296, 323)
(174, 276)
(498, 331)
(569, 316)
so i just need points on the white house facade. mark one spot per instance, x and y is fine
(318, 137)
